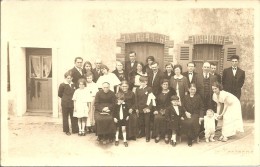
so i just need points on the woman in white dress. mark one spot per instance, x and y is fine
(108, 77)
(228, 107)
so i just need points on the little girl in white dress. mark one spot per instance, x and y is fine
(80, 98)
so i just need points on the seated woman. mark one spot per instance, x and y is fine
(228, 107)
(193, 107)
(163, 101)
(105, 101)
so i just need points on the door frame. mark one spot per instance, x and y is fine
(145, 37)
(18, 66)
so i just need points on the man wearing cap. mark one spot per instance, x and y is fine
(233, 77)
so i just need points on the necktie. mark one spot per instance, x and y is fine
(121, 112)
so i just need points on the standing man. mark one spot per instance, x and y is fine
(130, 69)
(155, 78)
(97, 71)
(213, 68)
(190, 74)
(204, 84)
(233, 78)
(76, 72)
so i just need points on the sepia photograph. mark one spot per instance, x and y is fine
(130, 83)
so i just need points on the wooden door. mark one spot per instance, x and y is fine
(39, 80)
(206, 52)
(145, 49)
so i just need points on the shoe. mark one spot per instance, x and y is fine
(134, 138)
(157, 139)
(189, 142)
(126, 144)
(68, 133)
(212, 139)
(220, 138)
(147, 140)
(116, 143)
(224, 139)
(83, 133)
(166, 140)
(174, 144)
(140, 136)
(80, 134)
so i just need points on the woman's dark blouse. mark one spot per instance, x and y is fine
(163, 100)
(193, 105)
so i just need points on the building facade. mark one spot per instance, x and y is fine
(40, 41)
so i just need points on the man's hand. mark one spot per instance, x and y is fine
(155, 112)
(200, 120)
(130, 111)
(115, 120)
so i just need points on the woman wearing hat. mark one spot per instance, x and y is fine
(108, 77)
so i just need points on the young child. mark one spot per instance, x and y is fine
(81, 109)
(92, 89)
(209, 125)
(174, 114)
(121, 116)
(66, 90)
(144, 97)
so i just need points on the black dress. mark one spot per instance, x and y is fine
(193, 105)
(163, 101)
(104, 121)
(132, 127)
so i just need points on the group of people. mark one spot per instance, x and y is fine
(137, 100)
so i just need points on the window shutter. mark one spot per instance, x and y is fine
(229, 50)
(185, 55)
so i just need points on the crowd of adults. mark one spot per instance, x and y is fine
(137, 100)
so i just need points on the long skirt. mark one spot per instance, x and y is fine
(105, 124)
(160, 125)
(132, 126)
(191, 127)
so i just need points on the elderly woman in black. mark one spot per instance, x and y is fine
(163, 101)
(193, 106)
(105, 101)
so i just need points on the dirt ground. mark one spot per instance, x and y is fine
(35, 140)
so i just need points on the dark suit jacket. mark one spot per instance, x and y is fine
(96, 75)
(76, 76)
(186, 74)
(130, 72)
(231, 83)
(116, 113)
(166, 75)
(218, 77)
(207, 99)
(66, 92)
(156, 85)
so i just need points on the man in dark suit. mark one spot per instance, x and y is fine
(155, 78)
(76, 71)
(233, 78)
(204, 83)
(204, 86)
(190, 74)
(213, 68)
(97, 71)
(130, 69)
